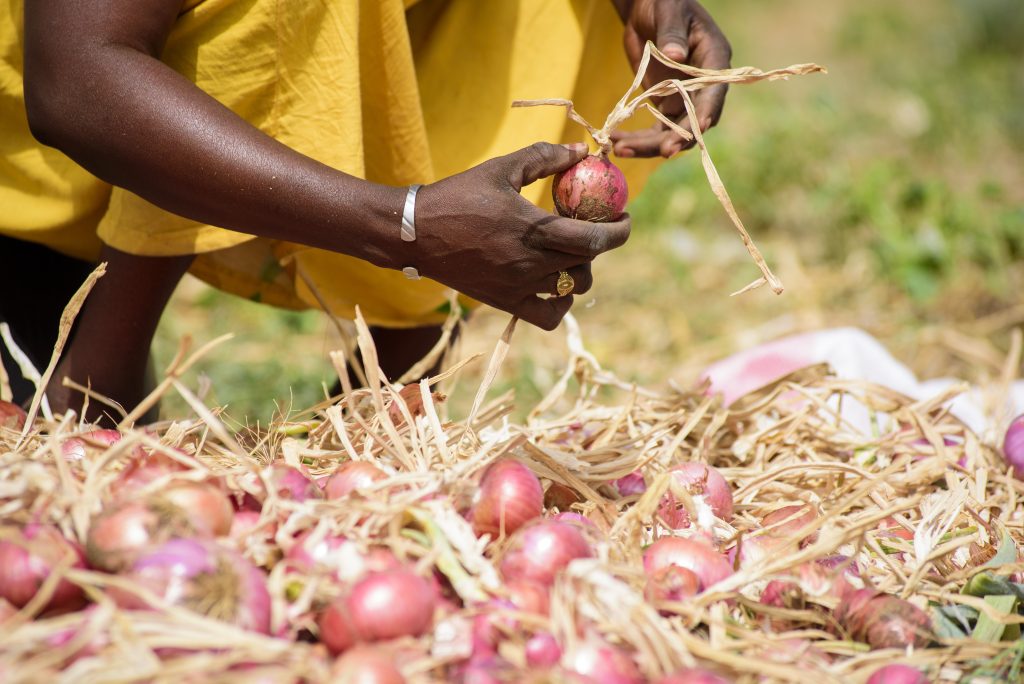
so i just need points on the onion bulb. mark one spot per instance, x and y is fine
(350, 477)
(383, 605)
(700, 480)
(29, 557)
(205, 578)
(11, 415)
(508, 497)
(789, 520)
(593, 189)
(883, 621)
(897, 674)
(697, 556)
(603, 663)
(528, 596)
(673, 583)
(539, 552)
(365, 665)
(542, 650)
(1013, 446)
(632, 484)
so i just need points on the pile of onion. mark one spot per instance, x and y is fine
(695, 555)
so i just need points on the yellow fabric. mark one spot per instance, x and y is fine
(394, 91)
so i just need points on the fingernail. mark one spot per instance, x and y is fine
(578, 147)
(625, 153)
(674, 51)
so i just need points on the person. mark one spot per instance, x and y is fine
(269, 149)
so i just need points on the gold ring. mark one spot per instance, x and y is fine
(565, 284)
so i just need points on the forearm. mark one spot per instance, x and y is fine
(137, 124)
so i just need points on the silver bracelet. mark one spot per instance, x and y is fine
(409, 226)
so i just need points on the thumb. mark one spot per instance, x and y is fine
(673, 30)
(541, 160)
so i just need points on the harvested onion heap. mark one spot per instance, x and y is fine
(664, 539)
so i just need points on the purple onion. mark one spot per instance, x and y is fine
(631, 484)
(838, 560)
(542, 650)
(1013, 446)
(898, 674)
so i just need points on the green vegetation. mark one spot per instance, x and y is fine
(887, 194)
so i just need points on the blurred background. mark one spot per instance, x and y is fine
(888, 195)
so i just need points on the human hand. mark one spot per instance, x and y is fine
(477, 234)
(686, 33)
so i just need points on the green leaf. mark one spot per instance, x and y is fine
(987, 584)
(946, 628)
(989, 630)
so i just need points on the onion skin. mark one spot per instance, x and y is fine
(203, 577)
(74, 448)
(292, 484)
(26, 562)
(630, 485)
(604, 664)
(542, 650)
(365, 665)
(1013, 446)
(788, 520)
(673, 583)
(350, 477)
(883, 621)
(561, 497)
(699, 479)
(539, 552)
(383, 605)
(574, 518)
(696, 556)
(594, 189)
(207, 508)
(510, 495)
(897, 674)
(12, 416)
(528, 596)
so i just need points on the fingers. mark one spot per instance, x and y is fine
(673, 37)
(540, 160)
(657, 140)
(544, 313)
(579, 238)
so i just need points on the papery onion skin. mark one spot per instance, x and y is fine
(529, 596)
(510, 495)
(352, 476)
(699, 479)
(593, 189)
(542, 650)
(292, 484)
(539, 552)
(630, 485)
(1013, 446)
(365, 665)
(603, 664)
(74, 448)
(697, 556)
(897, 673)
(28, 560)
(789, 520)
(574, 518)
(883, 621)
(11, 415)
(559, 496)
(203, 577)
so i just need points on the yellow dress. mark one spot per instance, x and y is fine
(394, 91)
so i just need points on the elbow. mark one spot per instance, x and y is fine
(50, 111)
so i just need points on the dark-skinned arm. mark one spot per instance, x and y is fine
(96, 89)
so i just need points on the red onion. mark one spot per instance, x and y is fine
(693, 677)
(883, 621)
(539, 552)
(692, 554)
(292, 484)
(246, 522)
(74, 448)
(789, 520)
(700, 480)
(29, 558)
(602, 663)
(594, 189)
(186, 509)
(509, 496)
(672, 583)
(203, 577)
(631, 484)
(1013, 446)
(383, 605)
(12, 416)
(366, 665)
(574, 518)
(352, 476)
(60, 639)
(491, 670)
(311, 551)
(527, 596)
(542, 650)
(820, 580)
(897, 674)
